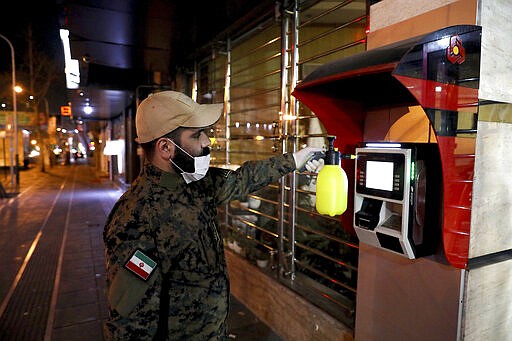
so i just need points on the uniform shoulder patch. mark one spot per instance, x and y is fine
(141, 265)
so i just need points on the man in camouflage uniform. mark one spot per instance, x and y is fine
(166, 272)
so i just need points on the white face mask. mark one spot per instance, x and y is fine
(201, 166)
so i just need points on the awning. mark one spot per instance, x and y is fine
(376, 77)
(365, 77)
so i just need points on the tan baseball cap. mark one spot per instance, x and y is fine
(162, 112)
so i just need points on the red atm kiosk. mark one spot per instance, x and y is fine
(438, 71)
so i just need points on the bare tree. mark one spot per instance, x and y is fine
(38, 72)
(38, 69)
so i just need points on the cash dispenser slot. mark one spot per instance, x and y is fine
(369, 215)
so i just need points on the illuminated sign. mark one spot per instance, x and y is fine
(23, 118)
(65, 110)
(72, 67)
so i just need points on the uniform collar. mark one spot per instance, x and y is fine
(168, 180)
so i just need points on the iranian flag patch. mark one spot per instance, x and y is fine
(141, 265)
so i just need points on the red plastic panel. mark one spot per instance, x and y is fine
(458, 186)
(437, 95)
(457, 159)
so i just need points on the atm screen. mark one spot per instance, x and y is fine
(379, 175)
(381, 172)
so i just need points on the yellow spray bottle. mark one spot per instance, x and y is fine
(331, 184)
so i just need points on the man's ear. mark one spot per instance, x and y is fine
(165, 149)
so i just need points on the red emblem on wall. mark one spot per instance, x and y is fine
(456, 53)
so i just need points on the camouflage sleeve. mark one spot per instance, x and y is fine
(124, 234)
(122, 238)
(251, 176)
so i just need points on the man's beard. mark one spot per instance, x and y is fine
(185, 161)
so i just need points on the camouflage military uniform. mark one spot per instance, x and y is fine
(175, 225)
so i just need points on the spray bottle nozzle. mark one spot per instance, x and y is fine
(331, 139)
(332, 156)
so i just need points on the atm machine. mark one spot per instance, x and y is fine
(397, 197)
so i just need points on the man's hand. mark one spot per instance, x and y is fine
(315, 166)
(304, 155)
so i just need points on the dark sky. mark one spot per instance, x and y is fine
(43, 16)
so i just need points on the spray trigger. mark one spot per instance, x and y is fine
(316, 156)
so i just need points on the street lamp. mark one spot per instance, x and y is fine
(14, 115)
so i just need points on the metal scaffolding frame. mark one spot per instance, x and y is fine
(258, 70)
